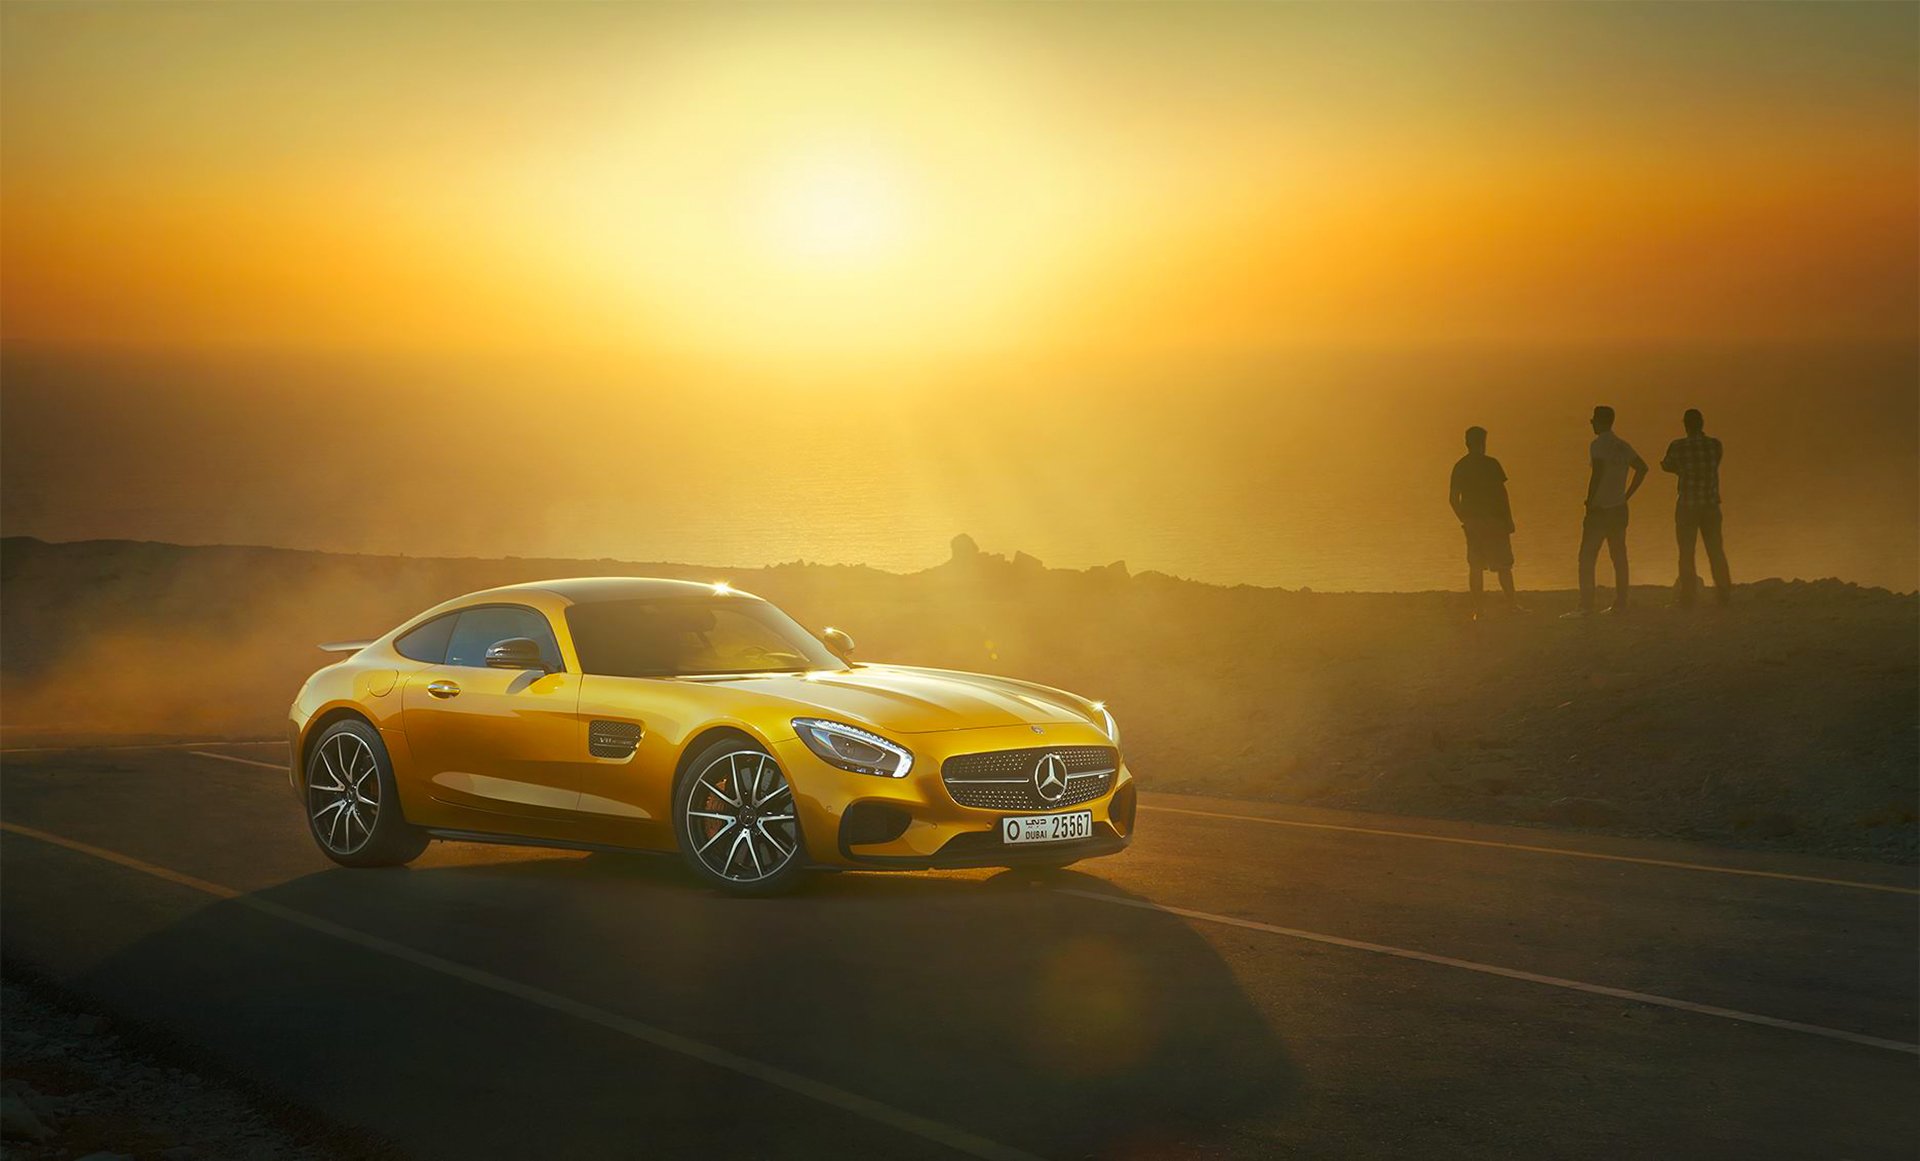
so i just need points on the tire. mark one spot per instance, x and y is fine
(352, 805)
(764, 856)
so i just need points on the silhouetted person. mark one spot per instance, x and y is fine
(1478, 493)
(1608, 491)
(1695, 460)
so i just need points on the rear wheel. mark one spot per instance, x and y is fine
(735, 819)
(353, 810)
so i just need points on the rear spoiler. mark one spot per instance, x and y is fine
(344, 646)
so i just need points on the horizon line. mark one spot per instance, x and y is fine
(1005, 560)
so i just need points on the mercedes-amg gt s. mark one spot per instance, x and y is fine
(662, 715)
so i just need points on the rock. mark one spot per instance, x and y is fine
(1028, 562)
(89, 1025)
(37, 1102)
(103, 1155)
(18, 1122)
(965, 547)
(1775, 824)
(178, 1153)
(1579, 812)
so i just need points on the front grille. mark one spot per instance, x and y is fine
(1003, 779)
(612, 739)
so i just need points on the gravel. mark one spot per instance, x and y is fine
(73, 1085)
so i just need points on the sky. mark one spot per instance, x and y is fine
(930, 268)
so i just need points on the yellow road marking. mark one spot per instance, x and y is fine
(956, 1139)
(1445, 838)
(1507, 973)
(280, 766)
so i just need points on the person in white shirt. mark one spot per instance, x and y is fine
(1608, 491)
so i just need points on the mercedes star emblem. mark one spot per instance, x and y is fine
(1050, 777)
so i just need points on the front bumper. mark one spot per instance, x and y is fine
(833, 805)
(959, 853)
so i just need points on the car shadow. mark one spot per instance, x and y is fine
(1000, 1006)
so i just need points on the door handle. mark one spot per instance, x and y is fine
(443, 688)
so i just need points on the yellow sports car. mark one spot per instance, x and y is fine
(667, 715)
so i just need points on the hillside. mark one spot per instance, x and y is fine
(1787, 719)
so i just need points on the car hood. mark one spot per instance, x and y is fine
(904, 700)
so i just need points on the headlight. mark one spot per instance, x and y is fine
(853, 749)
(1113, 730)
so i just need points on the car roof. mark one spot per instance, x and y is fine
(587, 590)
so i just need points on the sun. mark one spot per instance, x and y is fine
(835, 207)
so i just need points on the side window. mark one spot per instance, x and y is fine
(429, 641)
(479, 628)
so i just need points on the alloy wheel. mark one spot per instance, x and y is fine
(343, 793)
(740, 817)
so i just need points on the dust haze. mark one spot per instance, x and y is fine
(1785, 719)
(1326, 470)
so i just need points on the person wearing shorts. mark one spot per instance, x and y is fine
(1478, 493)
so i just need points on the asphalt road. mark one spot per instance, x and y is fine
(1248, 980)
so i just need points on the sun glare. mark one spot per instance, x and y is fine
(805, 195)
(836, 206)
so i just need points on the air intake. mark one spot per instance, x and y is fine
(613, 739)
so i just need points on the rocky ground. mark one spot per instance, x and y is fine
(73, 1084)
(1788, 720)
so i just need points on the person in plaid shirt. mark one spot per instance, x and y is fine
(1695, 460)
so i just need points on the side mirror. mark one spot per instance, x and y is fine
(839, 643)
(516, 653)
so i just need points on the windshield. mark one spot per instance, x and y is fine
(679, 638)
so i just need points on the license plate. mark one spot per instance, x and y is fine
(1047, 828)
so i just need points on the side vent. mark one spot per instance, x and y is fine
(612, 739)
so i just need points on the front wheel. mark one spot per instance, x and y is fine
(353, 810)
(735, 819)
